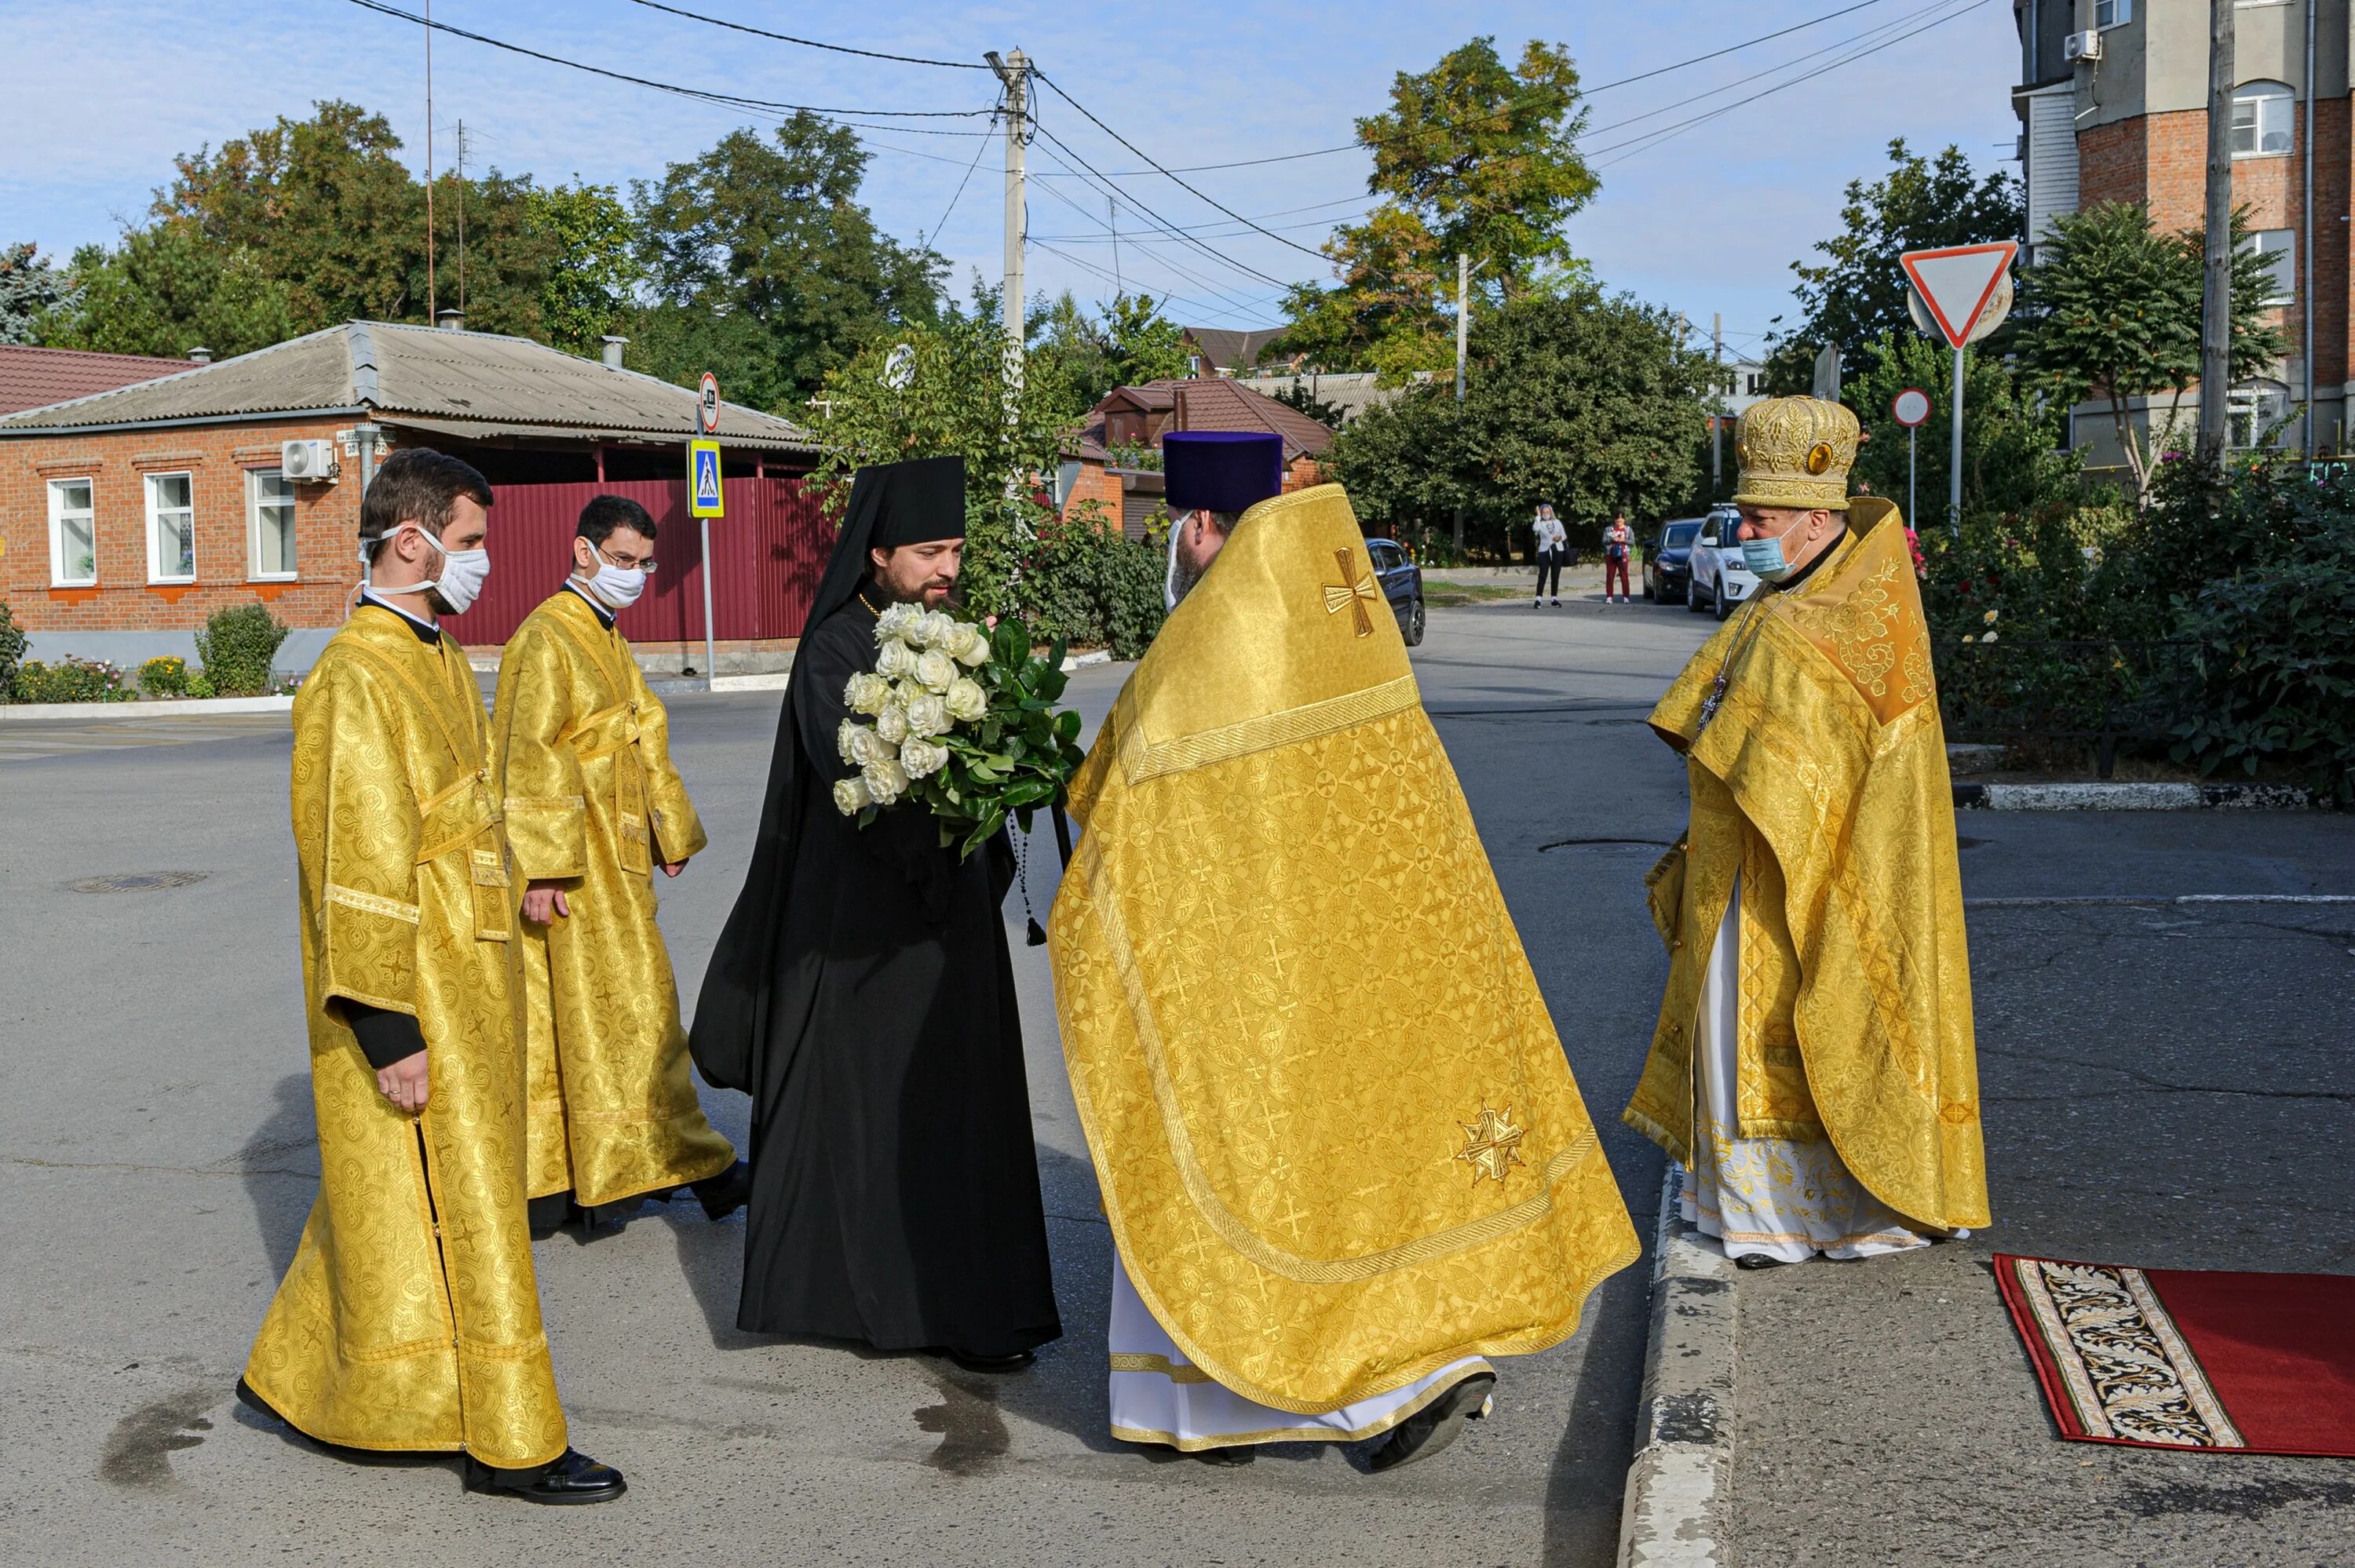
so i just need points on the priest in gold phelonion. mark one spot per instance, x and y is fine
(409, 1321)
(593, 805)
(1813, 1068)
(1341, 1153)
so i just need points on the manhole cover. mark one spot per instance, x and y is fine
(135, 882)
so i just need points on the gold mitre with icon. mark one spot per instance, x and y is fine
(1795, 451)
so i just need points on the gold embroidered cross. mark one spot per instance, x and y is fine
(1492, 1144)
(1354, 592)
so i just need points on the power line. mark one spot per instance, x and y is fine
(1232, 311)
(1650, 139)
(726, 99)
(969, 168)
(1165, 262)
(1204, 229)
(1510, 107)
(1173, 179)
(1110, 189)
(809, 43)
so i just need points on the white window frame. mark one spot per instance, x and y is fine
(253, 505)
(2263, 99)
(2250, 408)
(2283, 243)
(155, 572)
(59, 513)
(2118, 12)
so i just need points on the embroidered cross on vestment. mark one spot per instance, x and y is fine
(1355, 593)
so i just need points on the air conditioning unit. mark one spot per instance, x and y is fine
(312, 462)
(2081, 46)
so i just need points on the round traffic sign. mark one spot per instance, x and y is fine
(1910, 407)
(708, 403)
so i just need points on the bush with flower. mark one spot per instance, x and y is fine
(960, 717)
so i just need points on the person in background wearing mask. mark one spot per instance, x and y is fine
(593, 806)
(1552, 544)
(409, 1321)
(1618, 543)
(1813, 1067)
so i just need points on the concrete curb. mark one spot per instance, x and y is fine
(2131, 798)
(186, 707)
(1676, 1512)
(1074, 661)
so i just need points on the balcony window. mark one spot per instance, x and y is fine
(171, 528)
(2262, 114)
(73, 534)
(270, 523)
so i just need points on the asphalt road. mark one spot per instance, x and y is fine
(156, 1157)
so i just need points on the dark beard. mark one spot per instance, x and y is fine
(1188, 576)
(440, 605)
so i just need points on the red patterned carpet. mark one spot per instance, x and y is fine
(2249, 1363)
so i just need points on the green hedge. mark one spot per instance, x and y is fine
(236, 648)
(70, 680)
(13, 643)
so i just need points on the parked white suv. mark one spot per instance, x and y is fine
(1720, 580)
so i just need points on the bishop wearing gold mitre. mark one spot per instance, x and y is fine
(593, 806)
(410, 1318)
(1339, 1147)
(1813, 1066)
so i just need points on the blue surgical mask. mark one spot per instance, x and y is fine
(1764, 560)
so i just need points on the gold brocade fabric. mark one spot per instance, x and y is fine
(410, 1318)
(592, 799)
(1822, 781)
(1337, 1140)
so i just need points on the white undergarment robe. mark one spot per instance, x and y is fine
(1778, 1196)
(1158, 1396)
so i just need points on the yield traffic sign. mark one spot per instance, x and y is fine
(1957, 282)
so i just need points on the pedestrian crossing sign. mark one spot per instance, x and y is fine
(703, 494)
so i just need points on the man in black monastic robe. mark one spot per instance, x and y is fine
(862, 994)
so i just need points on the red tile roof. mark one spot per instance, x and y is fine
(35, 377)
(1216, 404)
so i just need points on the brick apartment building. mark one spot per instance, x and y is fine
(2112, 106)
(129, 515)
(1101, 464)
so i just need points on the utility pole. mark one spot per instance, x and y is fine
(1014, 71)
(461, 218)
(429, 163)
(1463, 343)
(2216, 293)
(1716, 403)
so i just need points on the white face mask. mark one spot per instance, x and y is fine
(617, 585)
(463, 571)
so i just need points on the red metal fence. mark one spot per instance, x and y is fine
(768, 552)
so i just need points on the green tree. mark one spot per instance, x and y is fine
(165, 290)
(1127, 342)
(1857, 294)
(2112, 311)
(1586, 400)
(764, 268)
(586, 285)
(2009, 463)
(1474, 158)
(1142, 344)
(30, 287)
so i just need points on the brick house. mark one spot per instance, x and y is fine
(1114, 460)
(130, 515)
(34, 377)
(1227, 351)
(2127, 120)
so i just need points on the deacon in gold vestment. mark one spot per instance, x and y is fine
(593, 806)
(410, 1318)
(1813, 1066)
(1338, 1144)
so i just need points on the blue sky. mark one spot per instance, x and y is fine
(96, 97)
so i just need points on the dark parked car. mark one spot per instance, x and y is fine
(1401, 582)
(1667, 564)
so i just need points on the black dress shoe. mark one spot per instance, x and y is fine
(1228, 1458)
(1435, 1426)
(723, 1195)
(573, 1478)
(1018, 1361)
(1753, 1261)
(547, 1215)
(255, 1403)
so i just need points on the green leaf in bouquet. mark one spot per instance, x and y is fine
(1066, 725)
(1030, 792)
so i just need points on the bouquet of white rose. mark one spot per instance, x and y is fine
(960, 718)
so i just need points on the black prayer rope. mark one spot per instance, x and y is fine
(1037, 933)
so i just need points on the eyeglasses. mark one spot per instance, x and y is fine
(646, 565)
